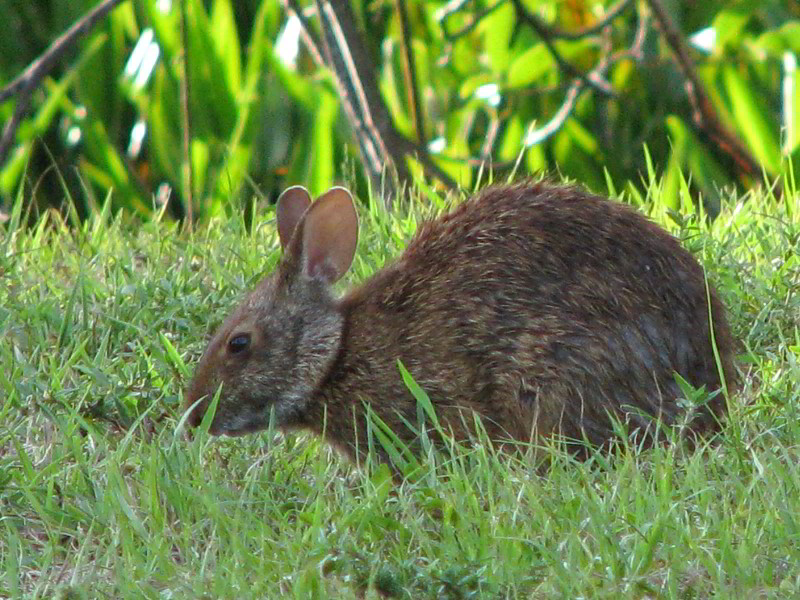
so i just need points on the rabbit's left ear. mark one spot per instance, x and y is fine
(292, 205)
(329, 235)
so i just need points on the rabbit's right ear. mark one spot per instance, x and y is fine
(330, 234)
(292, 205)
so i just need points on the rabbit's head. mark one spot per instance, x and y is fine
(280, 342)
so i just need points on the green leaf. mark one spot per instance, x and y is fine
(226, 40)
(470, 84)
(97, 82)
(791, 106)
(728, 25)
(300, 89)
(166, 27)
(200, 160)
(750, 118)
(163, 110)
(16, 164)
(583, 138)
(670, 184)
(419, 395)
(464, 57)
(498, 28)
(569, 148)
(232, 173)
(511, 144)
(530, 66)
(778, 41)
(211, 94)
(536, 159)
(691, 156)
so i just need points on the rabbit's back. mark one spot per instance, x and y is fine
(544, 309)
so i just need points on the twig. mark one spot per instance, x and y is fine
(552, 31)
(544, 32)
(535, 136)
(381, 144)
(363, 134)
(24, 84)
(347, 55)
(466, 29)
(577, 34)
(186, 118)
(450, 8)
(491, 137)
(635, 52)
(703, 112)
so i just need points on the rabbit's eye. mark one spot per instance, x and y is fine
(239, 343)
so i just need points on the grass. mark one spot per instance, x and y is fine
(101, 496)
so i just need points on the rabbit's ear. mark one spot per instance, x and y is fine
(292, 205)
(330, 233)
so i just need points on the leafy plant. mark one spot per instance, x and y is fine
(518, 86)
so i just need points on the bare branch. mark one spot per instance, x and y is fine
(552, 31)
(544, 32)
(347, 55)
(381, 144)
(634, 52)
(24, 84)
(491, 137)
(363, 135)
(536, 136)
(367, 134)
(575, 88)
(704, 114)
(576, 34)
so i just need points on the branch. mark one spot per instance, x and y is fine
(535, 136)
(634, 52)
(546, 34)
(704, 114)
(577, 34)
(442, 15)
(552, 31)
(491, 137)
(24, 84)
(349, 58)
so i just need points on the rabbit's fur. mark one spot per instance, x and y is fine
(540, 307)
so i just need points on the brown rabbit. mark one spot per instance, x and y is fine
(542, 308)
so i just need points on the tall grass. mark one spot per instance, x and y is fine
(101, 496)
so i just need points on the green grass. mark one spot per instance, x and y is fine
(101, 497)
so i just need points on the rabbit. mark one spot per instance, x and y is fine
(541, 307)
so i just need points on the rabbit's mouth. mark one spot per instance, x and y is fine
(239, 424)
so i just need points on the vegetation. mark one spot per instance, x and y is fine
(106, 302)
(492, 80)
(101, 496)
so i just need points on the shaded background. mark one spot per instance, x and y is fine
(106, 123)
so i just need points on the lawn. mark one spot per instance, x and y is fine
(103, 496)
